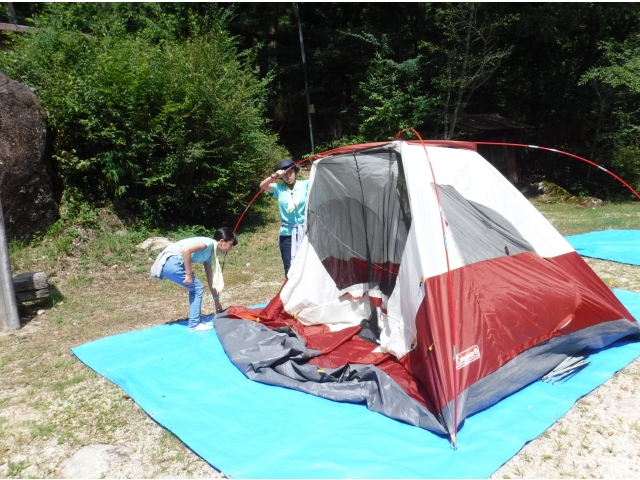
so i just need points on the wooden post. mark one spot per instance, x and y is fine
(512, 167)
(8, 305)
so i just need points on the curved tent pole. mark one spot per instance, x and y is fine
(254, 199)
(399, 136)
(443, 222)
(563, 153)
(262, 190)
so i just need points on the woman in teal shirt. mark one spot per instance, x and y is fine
(176, 263)
(292, 203)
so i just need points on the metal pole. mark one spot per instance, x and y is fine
(306, 82)
(8, 304)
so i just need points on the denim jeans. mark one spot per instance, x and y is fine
(174, 270)
(285, 252)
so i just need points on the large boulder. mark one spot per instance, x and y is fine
(26, 185)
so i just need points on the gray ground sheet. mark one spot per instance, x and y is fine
(280, 357)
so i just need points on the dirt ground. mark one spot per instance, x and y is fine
(51, 405)
(600, 436)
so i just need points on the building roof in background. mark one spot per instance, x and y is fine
(492, 121)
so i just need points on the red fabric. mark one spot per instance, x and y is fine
(599, 304)
(502, 306)
(394, 368)
(318, 337)
(355, 350)
(375, 301)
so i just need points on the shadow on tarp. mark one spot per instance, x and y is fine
(621, 246)
(186, 383)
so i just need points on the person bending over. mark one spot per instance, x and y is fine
(176, 264)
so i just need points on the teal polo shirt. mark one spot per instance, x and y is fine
(201, 256)
(291, 203)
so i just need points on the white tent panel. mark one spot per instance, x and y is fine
(425, 215)
(398, 326)
(312, 295)
(477, 180)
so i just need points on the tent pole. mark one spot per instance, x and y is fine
(452, 315)
(306, 82)
(567, 154)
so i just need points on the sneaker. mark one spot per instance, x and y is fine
(201, 327)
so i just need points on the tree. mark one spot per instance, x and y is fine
(472, 51)
(339, 59)
(396, 98)
(151, 106)
(619, 80)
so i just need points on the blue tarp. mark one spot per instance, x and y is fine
(186, 383)
(617, 245)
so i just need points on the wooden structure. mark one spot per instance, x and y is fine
(8, 306)
(30, 286)
(494, 128)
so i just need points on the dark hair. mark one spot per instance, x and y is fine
(287, 163)
(225, 234)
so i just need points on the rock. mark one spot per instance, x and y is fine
(28, 200)
(550, 192)
(94, 461)
(156, 244)
(585, 202)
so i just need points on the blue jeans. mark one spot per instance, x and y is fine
(285, 252)
(174, 270)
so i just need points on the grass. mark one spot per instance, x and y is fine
(569, 219)
(51, 404)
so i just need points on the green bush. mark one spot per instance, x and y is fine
(626, 165)
(165, 125)
(340, 142)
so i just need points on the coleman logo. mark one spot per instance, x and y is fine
(469, 355)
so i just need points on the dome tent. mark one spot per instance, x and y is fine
(427, 287)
